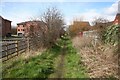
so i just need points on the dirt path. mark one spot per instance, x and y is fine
(60, 67)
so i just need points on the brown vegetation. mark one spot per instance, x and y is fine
(46, 35)
(100, 60)
(78, 26)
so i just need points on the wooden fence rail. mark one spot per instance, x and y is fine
(13, 48)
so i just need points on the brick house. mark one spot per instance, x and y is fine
(24, 28)
(5, 27)
(80, 25)
(117, 19)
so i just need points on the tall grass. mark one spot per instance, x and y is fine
(73, 65)
(99, 59)
(40, 66)
(44, 65)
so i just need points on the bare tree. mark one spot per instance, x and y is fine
(48, 29)
(100, 22)
(37, 33)
(54, 21)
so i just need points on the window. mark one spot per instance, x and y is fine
(18, 29)
(22, 30)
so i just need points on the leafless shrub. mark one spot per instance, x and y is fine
(100, 24)
(48, 29)
(99, 21)
(82, 42)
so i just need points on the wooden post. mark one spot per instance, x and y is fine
(16, 47)
(27, 43)
(6, 45)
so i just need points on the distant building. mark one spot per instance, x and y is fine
(117, 19)
(80, 25)
(24, 28)
(6, 27)
(101, 25)
(104, 25)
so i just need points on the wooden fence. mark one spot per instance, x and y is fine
(13, 48)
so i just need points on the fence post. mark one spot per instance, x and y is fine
(6, 45)
(16, 43)
(28, 46)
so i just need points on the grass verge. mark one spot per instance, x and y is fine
(73, 65)
(40, 66)
(46, 64)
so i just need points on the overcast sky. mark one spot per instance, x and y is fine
(25, 10)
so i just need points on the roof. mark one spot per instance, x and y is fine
(81, 23)
(22, 23)
(5, 19)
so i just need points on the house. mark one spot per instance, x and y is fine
(117, 19)
(101, 25)
(104, 25)
(5, 27)
(24, 28)
(80, 25)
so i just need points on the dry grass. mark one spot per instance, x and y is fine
(100, 60)
(23, 56)
(32, 53)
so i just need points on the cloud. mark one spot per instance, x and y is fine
(107, 13)
(112, 10)
(88, 15)
(58, 1)
(24, 16)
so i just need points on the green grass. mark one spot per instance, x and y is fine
(73, 65)
(44, 65)
(36, 67)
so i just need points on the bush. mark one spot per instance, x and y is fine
(49, 30)
(111, 35)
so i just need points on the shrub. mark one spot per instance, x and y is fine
(111, 35)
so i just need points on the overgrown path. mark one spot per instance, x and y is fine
(60, 61)
(69, 62)
(60, 66)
